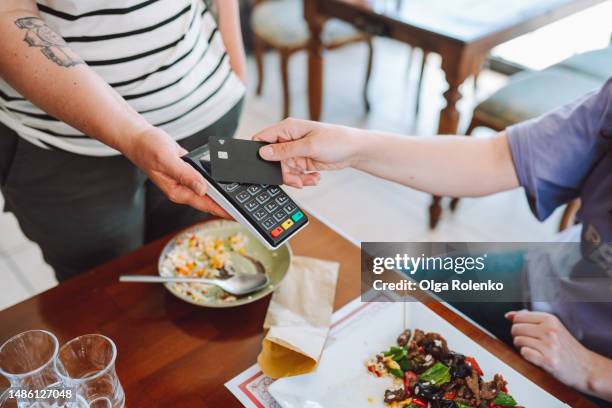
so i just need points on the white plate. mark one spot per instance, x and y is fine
(341, 380)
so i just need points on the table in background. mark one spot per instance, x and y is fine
(171, 353)
(461, 31)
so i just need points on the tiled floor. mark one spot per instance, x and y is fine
(362, 207)
(23, 272)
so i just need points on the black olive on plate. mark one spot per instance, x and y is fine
(451, 358)
(431, 348)
(444, 404)
(446, 359)
(461, 370)
(426, 391)
(438, 396)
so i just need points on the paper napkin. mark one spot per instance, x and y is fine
(299, 318)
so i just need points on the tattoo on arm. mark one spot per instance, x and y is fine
(53, 46)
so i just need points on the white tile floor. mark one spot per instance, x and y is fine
(362, 207)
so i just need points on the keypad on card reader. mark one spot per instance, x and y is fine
(268, 206)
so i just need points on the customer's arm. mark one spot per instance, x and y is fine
(37, 62)
(543, 340)
(448, 166)
(229, 26)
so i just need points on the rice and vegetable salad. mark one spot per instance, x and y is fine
(427, 374)
(200, 255)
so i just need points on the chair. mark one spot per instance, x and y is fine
(419, 84)
(280, 25)
(530, 94)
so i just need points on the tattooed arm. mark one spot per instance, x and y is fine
(38, 34)
(39, 64)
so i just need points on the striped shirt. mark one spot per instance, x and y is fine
(165, 57)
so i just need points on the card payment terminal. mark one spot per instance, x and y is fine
(266, 211)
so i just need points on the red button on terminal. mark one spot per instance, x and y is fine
(277, 231)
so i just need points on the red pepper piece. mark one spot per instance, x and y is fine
(450, 395)
(419, 402)
(409, 376)
(474, 365)
(373, 371)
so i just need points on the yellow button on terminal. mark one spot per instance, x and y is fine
(287, 224)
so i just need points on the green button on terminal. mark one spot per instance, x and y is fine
(297, 216)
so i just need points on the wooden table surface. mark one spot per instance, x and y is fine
(173, 354)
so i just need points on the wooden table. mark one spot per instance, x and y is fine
(461, 31)
(173, 354)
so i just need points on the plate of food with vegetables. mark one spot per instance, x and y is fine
(382, 360)
(426, 373)
(220, 249)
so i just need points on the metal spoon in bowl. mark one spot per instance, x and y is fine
(239, 284)
(243, 275)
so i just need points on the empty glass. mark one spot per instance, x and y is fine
(87, 364)
(26, 360)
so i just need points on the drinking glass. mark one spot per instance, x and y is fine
(26, 360)
(87, 364)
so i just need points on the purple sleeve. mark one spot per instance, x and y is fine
(554, 153)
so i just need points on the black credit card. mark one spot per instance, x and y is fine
(236, 160)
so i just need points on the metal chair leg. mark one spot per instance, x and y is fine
(258, 54)
(420, 83)
(409, 63)
(366, 99)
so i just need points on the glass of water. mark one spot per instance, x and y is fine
(27, 362)
(87, 365)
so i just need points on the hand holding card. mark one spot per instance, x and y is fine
(235, 160)
(259, 203)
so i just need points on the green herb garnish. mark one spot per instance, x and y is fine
(397, 372)
(405, 364)
(504, 400)
(437, 374)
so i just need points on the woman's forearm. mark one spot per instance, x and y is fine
(229, 26)
(56, 79)
(452, 166)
